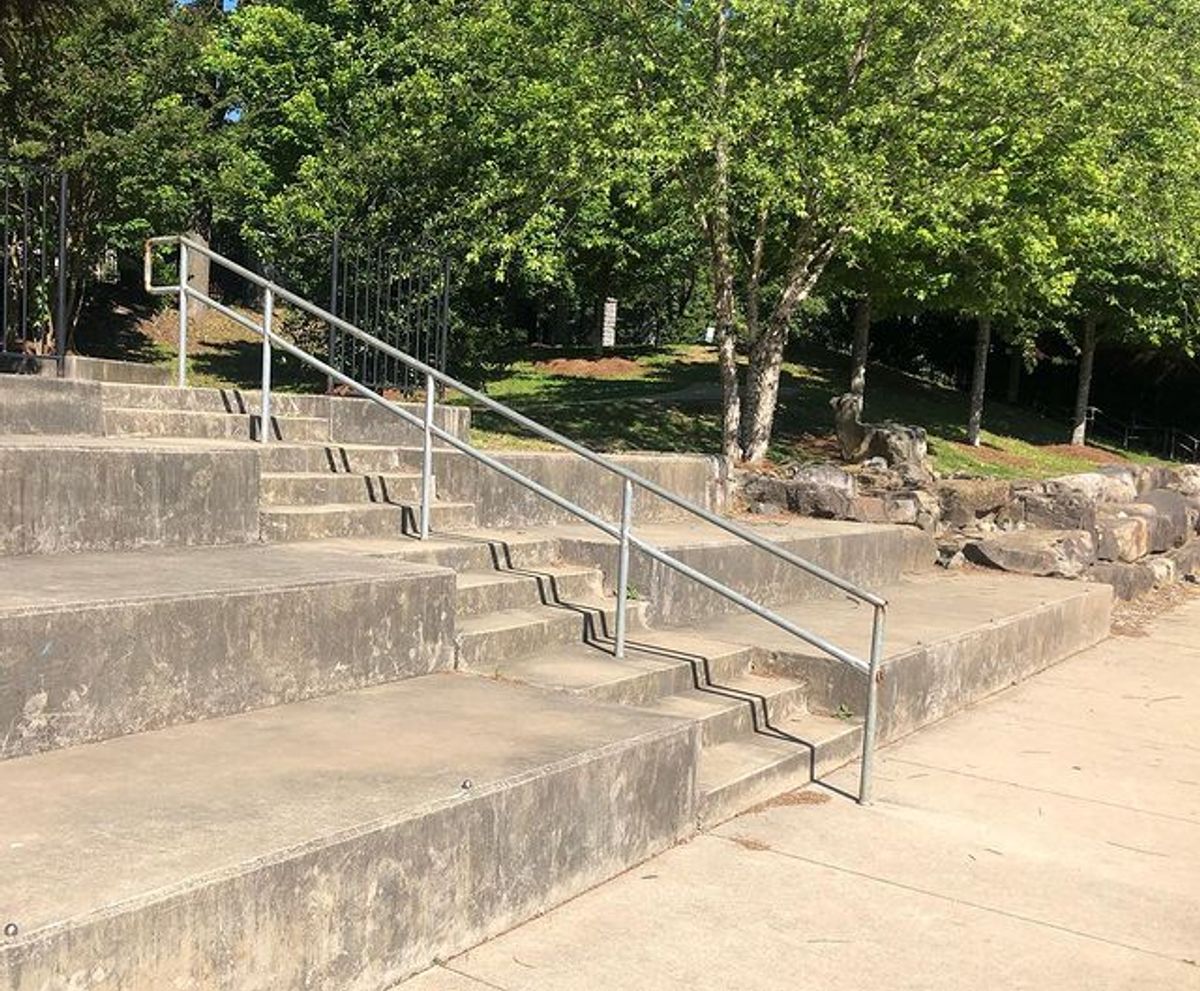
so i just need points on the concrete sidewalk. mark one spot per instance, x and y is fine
(1048, 838)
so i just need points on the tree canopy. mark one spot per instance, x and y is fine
(724, 162)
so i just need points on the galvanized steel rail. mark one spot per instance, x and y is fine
(622, 533)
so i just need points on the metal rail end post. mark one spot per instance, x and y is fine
(870, 724)
(60, 296)
(183, 312)
(264, 426)
(427, 460)
(623, 569)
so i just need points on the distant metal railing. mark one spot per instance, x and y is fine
(33, 266)
(622, 532)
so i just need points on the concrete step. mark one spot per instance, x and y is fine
(343, 842)
(338, 458)
(656, 664)
(735, 707)
(739, 773)
(316, 488)
(485, 642)
(282, 524)
(494, 590)
(98, 645)
(167, 398)
(123, 422)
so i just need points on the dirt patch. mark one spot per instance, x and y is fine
(1132, 619)
(802, 796)
(593, 368)
(990, 455)
(1096, 455)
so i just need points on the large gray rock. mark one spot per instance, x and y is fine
(963, 500)
(824, 491)
(1172, 524)
(1121, 537)
(899, 445)
(1050, 508)
(1098, 486)
(1059, 553)
(1187, 480)
(1128, 581)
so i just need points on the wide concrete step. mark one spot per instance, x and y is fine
(282, 524)
(94, 646)
(486, 642)
(656, 664)
(735, 707)
(492, 590)
(343, 842)
(122, 422)
(316, 488)
(470, 549)
(350, 459)
(736, 775)
(168, 398)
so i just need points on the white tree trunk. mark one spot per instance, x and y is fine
(1087, 356)
(862, 344)
(983, 342)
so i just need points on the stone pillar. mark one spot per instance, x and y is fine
(198, 276)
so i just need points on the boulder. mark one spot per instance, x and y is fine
(1120, 537)
(1060, 553)
(1172, 524)
(1098, 486)
(1128, 581)
(963, 500)
(1187, 480)
(1187, 559)
(1163, 569)
(813, 490)
(899, 445)
(1050, 508)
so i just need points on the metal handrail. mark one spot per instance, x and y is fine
(622, 534)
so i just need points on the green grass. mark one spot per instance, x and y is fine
(667, 400)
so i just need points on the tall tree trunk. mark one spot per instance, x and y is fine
(1012, 392)
(862, 344)
(719, 233)
(983, 341)
(1087, 356)
(766, 356)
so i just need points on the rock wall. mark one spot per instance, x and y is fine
(1135, 527)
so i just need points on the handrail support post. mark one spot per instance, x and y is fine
(427, 460)
(623, 569)
(264, 427)
(871, 722)
(183, 312)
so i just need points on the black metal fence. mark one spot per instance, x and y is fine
(400, 295)
(1172, 443)
(33, 226)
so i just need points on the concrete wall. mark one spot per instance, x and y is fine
(75, 497)
(866, 554)
(500, 502)
(80, 673)
(931, 681)
(360, 421)
(380, 902)
(35, 405)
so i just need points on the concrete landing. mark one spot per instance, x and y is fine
(338, 842)
(99, 645)
(1048, 838)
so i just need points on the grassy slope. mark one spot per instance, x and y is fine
(666, 400)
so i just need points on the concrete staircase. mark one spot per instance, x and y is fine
(255, 736)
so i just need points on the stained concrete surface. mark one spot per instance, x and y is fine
(1047, 838)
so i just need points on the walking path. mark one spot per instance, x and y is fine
(1048, 838)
